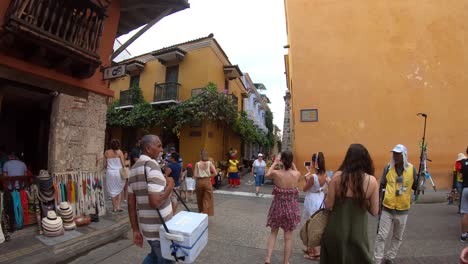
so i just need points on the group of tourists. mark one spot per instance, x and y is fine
(151, 185)
(350, 194)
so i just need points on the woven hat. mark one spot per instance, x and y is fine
(312, 231)
(44, 175)
(49, 228)
(52, 221)
(69, 226)
(60, 232)
(45, 197)
(461, 156)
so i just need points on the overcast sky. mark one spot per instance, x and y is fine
(251, 32)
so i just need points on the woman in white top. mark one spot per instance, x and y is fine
(202, 173)
(314, 199)
(113, 162)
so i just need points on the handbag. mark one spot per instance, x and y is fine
(124, 171)
(312, 231)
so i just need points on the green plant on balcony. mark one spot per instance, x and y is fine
(246, 128)
(209, 105)
(141, 115)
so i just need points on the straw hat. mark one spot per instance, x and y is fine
(69, 226)
(44, 175)
(45, 197)
(60, 232)
(461, 156)
(52, 222)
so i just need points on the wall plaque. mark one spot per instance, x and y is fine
(309, 115)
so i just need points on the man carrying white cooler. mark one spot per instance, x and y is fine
(147, 192)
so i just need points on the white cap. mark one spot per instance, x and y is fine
(461, 156)
(399, 148)
(260, 154)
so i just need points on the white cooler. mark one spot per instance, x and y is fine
(189, 231)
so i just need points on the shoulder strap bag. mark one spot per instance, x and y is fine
(312, 231)
(174, 245)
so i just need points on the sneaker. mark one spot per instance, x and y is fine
(463, 237)
(256, 194)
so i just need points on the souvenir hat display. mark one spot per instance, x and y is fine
(52, 225)
(46, 187)
(65, 211)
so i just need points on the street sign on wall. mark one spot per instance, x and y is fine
(114, 72)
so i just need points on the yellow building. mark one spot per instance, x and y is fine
(174, 74)
(360, 71)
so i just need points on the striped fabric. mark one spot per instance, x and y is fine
(148, 218)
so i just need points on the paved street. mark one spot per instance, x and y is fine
(237, 234)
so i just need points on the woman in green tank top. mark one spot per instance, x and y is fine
(352, 193)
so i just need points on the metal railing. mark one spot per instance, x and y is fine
(126, 98)
(166, 91)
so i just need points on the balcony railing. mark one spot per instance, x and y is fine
(69, 28)
(126, 98)
(166, 91)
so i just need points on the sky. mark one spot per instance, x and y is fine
(251, 32)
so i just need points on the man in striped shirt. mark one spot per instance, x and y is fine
(146, 193)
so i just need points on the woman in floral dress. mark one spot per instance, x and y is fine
(284, 211)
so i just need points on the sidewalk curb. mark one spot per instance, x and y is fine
(84, 244)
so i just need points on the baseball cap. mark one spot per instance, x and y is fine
(260, 154)
(399, 148)
(461, 156)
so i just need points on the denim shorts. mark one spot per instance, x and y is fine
(259, 180)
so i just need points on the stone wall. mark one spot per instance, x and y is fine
(77, 133)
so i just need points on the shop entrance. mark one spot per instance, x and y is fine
(24, 122)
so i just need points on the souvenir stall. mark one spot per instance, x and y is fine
(56, 203)
(18, 204)
(83, 190)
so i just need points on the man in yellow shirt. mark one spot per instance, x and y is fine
(234, 178)
(398, 178)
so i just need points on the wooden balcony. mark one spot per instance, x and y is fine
(59, 34)
(166, 92)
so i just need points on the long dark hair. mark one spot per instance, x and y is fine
(115, 144)
(287, 159)
(319, 160)
(356, 163)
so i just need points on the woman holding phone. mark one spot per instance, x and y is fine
(314, 199)
(284, 211)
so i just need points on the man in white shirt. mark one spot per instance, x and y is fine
(148, 191)
(13, 168)
(258, 170)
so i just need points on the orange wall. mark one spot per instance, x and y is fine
(94, 83)
(369, 67)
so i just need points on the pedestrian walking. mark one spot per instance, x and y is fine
(398, 179)
(464, 201)
(458, 176)
(113, 162)
(315, 195)
(203, 172)
(284, 212)
(174, 170)
(258, 170)
(233, 170)
(189, 183)
(352, 192)
(148, 190)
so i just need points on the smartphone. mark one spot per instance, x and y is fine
(307, 164)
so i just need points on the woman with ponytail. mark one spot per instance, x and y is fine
(314, 199)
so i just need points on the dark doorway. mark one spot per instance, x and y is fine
(24, 123)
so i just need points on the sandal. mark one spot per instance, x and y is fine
(312, 257)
